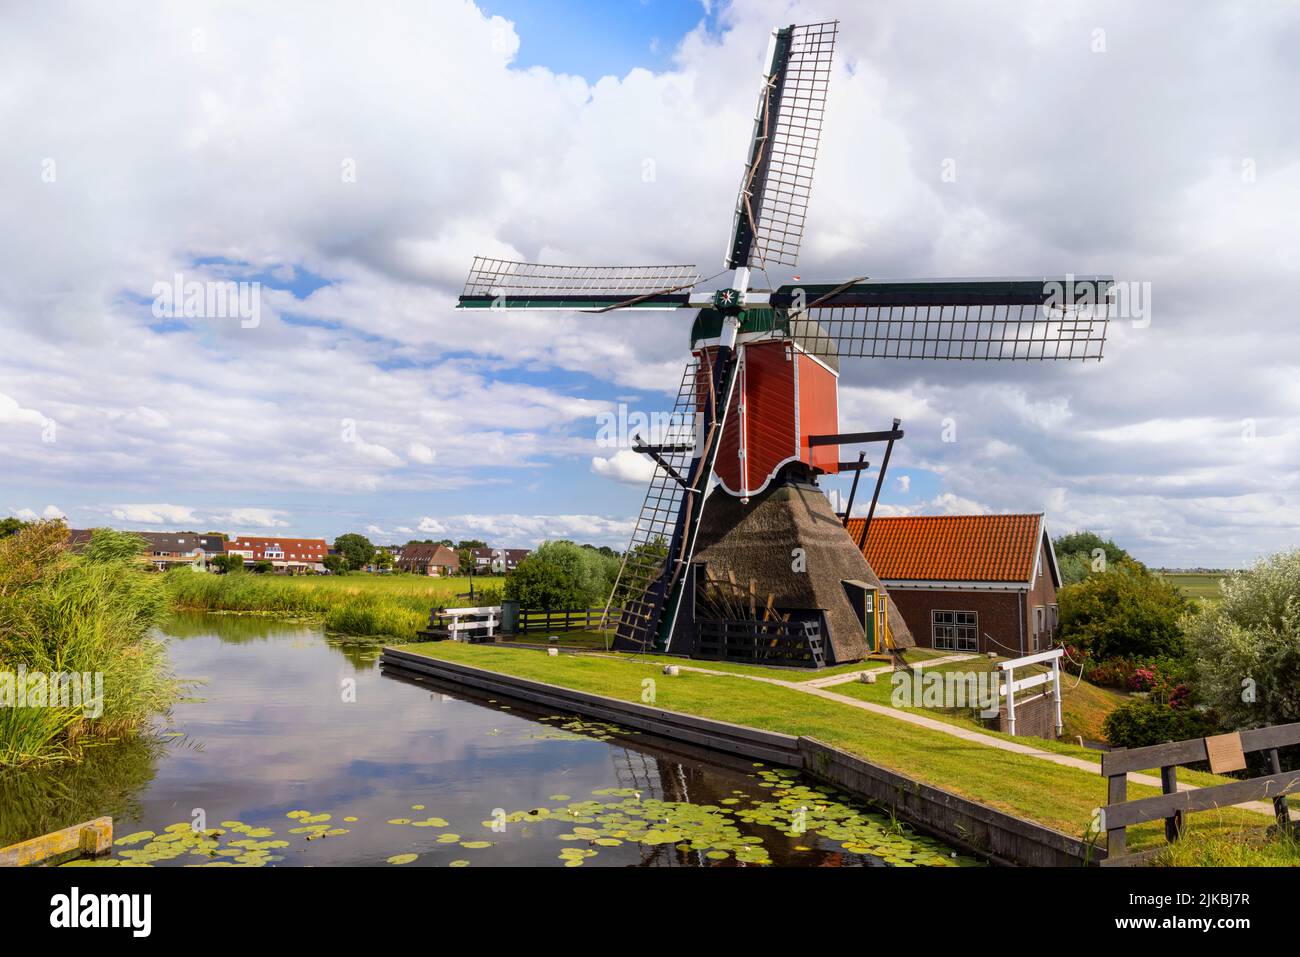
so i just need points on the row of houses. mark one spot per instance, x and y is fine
(438, 560)
(169, 549)
(305, 555)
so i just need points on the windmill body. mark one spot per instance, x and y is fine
(736, 553)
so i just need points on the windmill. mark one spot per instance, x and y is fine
(713, 566)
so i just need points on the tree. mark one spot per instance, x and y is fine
(355, 549)
(227, 562)
(559, 575)
(1125, 611)
(1079, 554)
(10, 526)
(263, 567)
(383, 560)
(1247, 645)
(335, 564)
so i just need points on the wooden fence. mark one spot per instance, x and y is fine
(1225, 752)
(546, 619)
(776, 642)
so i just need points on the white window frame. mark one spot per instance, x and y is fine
(954, 642)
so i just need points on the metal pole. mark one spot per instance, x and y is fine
(853, 490)
(880, 480)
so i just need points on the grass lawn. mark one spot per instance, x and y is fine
(1196, 586)
(1061, 797)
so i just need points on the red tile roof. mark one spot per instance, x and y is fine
(984, 548)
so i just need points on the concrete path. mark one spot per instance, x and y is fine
(818, 687)
(880, 669)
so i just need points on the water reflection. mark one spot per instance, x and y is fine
(301, 752)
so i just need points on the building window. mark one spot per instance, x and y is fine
(955, 630)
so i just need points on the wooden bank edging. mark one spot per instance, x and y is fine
(993, 833)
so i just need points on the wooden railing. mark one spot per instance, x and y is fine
(1172, 805)
(546, 619)
(463, 624)
(776, 641)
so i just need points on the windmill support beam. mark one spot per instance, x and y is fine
(853, 489)
(664, 464)
(880, 480)
(853, 438)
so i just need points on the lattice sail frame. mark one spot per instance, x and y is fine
(776, 187)
(504, 277)
(989, 332)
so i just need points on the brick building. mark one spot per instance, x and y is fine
(294, 555)
(419, 558)
(968, 582)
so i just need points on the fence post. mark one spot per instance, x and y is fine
(1280, 809)
(1116, 793)
(1056, 693)
(1169, 784)
(1011, 700)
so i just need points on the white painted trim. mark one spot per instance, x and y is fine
(908, 584)
(793, 353)
(766, 482)
(804, 352)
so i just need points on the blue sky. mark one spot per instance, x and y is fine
(354, 160)
(592, 38)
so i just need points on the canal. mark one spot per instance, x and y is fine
(291, 748)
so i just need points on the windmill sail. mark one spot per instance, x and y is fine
(507, 284)
(1047, 318)
(777, 183)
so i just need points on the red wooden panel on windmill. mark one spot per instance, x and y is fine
(819, 413)
(767, 388)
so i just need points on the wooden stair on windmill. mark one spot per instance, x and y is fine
(639, 588)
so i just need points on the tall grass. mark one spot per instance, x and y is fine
(1204, 845)
(389, 607)
(90, 613)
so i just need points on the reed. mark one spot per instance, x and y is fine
(92, 614)
(385, 607)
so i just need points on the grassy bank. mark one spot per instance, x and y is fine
(391, 607)
(88, 614)
(1060, 797)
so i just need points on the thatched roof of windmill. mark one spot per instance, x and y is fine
(756, 540)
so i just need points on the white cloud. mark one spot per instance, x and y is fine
(245, 517)
(158, 514)
(904, 483)
(53, 511)
(514, 530)
(421, 453)
(624, 466)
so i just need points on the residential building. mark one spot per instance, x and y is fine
(979, 583)
(499, 560)
(435, 560)
(291, 555)
(163, 549)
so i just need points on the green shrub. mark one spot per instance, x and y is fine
(562, 575)
(1136, 724)
(1247, 645)
(1126, 612)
